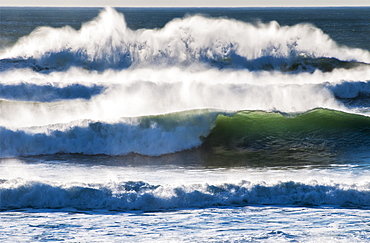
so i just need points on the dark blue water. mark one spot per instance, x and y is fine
(347, 26)
(185, 124)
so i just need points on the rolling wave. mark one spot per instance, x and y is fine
(107, 89)
(33, 99)
(214, 131)
(47, 92)
(153, 135)
(131, 195)
(107, 43)
(318, 127)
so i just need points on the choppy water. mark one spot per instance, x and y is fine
(195, 125)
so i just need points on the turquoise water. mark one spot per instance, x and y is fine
(184, 125)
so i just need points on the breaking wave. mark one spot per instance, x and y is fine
(175, 132)
(153, 135)
(198, 82)
(107, 43)
(128, 196)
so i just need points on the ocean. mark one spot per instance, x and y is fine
(185, 124)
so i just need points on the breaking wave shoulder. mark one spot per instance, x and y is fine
(211, 130)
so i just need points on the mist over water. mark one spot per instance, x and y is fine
(219, 114)
(106, 73)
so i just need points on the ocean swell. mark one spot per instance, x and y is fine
(107, 89)
(128, 196)
(214, 131)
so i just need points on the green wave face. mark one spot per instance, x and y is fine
(318, 135)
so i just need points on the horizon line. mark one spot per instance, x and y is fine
(185, 6)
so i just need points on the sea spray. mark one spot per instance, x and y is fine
(227, 134)
(142, 92)
(153, 135)
(248, 126)
(128, 196)
(180, 42)
(185, 65)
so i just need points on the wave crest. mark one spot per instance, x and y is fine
(143, 196)
(107, 43)
(153, 135)
(246, 133)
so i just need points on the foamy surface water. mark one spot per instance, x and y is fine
(174, 203)
(184, 125)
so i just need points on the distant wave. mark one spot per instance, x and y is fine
(106, 71)
(34, 99)
(107, 89)
(350, 90)
(128, 196)
(62, 61)
(47, 92)
(107, 43)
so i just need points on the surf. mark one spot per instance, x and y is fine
(217, 132)
(108, 89)
(107, 43)
(141, 196)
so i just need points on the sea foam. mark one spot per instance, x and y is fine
(107, 42)
(142, 196)
(86, 91)
(144, 135)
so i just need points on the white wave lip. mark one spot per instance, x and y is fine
(192, 38)
(127, 73)
(146, 136)
(141, 92)
(143, 196)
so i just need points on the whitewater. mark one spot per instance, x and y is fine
(201, 126)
